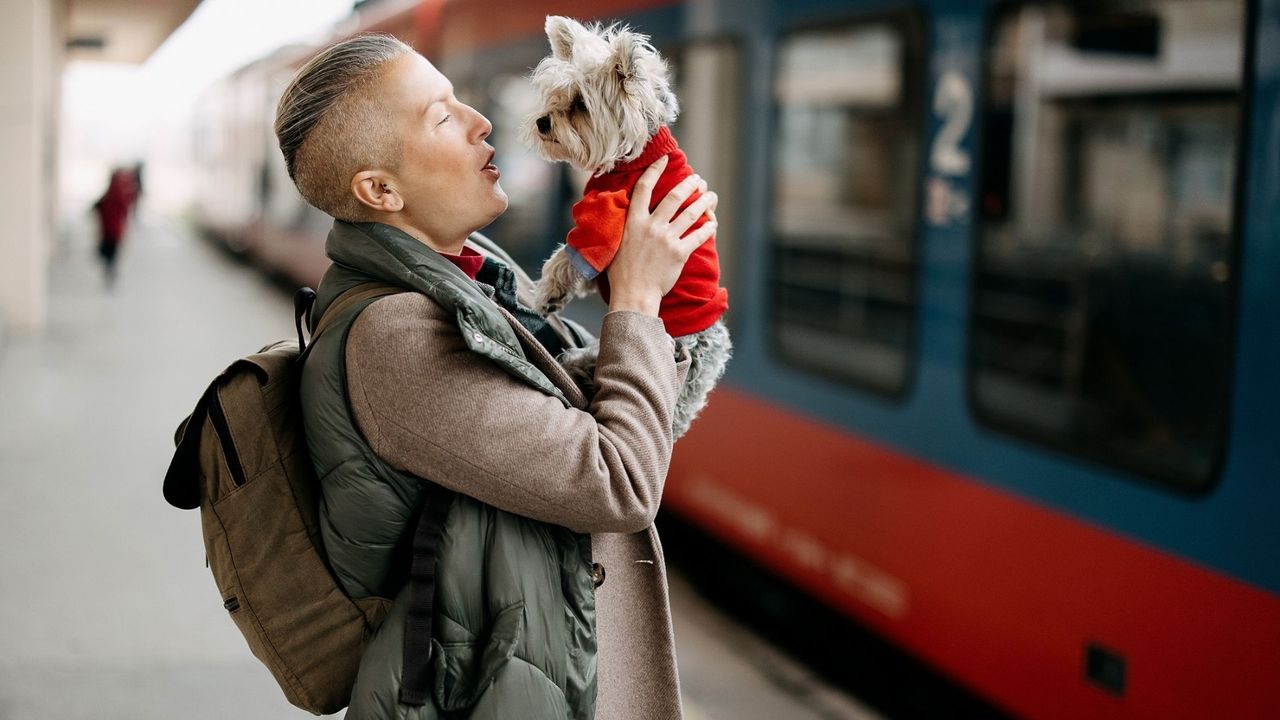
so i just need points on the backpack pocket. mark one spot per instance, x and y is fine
(283, 599)
(221, 429)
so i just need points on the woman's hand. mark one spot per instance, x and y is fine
(652, 252)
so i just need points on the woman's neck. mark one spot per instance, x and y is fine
(451, 247)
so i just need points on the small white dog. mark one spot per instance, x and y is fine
(606, 102)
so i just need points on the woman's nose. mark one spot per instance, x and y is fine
(544, 124)
(486, 127)
(483, 127)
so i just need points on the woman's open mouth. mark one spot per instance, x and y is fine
(490, 168)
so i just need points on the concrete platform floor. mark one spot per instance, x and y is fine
(106, 607)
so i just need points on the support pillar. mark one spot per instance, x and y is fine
(30, 70)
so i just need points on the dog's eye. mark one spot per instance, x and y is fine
(577, 105)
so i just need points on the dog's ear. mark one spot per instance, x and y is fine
(624, 53)
(562, 32)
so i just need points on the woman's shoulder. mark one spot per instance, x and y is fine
(404, 317)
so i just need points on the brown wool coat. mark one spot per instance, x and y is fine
(429, 406)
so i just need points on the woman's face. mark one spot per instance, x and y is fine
(446, 176)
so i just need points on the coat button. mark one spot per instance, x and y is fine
(597, 574)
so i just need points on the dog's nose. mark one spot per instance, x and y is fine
(544, 124)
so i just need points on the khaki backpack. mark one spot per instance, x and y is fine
(242, 459)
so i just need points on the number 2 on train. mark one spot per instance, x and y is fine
(953, 102)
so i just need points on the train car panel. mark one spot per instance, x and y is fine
(468, 27)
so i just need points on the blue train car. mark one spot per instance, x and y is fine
(1004, 385)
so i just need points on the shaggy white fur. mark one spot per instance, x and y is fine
(605, 91)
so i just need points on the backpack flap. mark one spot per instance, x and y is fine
(272, 361)
(182, 481)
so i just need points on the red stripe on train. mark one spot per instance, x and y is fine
(470, 25)
(995, 591)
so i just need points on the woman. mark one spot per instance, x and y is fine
(551, 595)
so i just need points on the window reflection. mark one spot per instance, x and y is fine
(845, 178)
(1102, 296)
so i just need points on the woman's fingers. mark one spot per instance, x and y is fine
(679, 194)
(686, 218)
(653, 253)
(693, 240)
(643, 193)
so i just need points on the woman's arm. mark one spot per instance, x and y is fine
(430, 407)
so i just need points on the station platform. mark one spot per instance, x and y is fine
(106, 608)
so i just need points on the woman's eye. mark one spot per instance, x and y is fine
(443, 120)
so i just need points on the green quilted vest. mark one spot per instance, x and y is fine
(506, 644)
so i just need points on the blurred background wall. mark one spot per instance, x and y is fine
(37, 37)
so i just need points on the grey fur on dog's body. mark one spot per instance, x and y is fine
(709, 352)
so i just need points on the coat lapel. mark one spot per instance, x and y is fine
(542, 360)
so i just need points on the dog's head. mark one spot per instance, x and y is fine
(604, 91)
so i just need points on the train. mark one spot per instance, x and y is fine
(1001, 280)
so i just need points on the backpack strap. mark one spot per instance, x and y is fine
(303, 301)
(415, 685)
(415, 677)
(351, 297)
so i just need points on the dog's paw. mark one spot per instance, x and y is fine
(549, 299)
(558, 284)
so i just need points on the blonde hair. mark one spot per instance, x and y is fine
(330, 127)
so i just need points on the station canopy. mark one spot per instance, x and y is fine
(126, 31)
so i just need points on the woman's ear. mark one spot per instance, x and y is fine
(376, 191)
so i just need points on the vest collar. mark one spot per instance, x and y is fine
(385, 253)
(373, 251)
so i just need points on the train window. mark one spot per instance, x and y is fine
(706, 78)
(845, 177)
(1102, 308)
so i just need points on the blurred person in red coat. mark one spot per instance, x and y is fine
(113, 216)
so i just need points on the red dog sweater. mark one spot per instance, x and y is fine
(697, 300)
